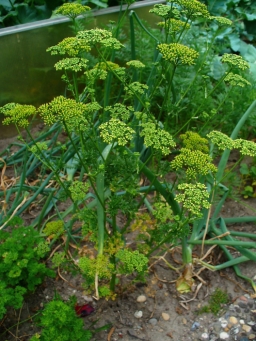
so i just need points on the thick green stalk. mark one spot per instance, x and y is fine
(100, 211)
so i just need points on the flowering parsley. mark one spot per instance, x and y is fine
(136, 64)
(72, 10)
(116, 131)
(71, 46)
(193, 8)
(221, 140)
(194, 162)
(234, 60)
(72, 64)
(236, 80)
(246, 147)
(17, 114)
(161, 10)
(158, 138)
(194, 198)
(178, 54)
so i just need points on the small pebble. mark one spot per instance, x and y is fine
(195, 326)
(224, 336)
(254, 327)
(233, 320)
(153, 321)
(205, 336)
(141, 298)
(246, 328)
(138, 314)
(165, 316)
(251, 336)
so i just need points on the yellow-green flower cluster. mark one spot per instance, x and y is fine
(95, 35)
(246, 147)
(100, 36)
(157, 138)
(78, 190)
(221, 140)
(161, 10)
(94, 74)
(72, 64)
(135, 88)
(17, 114)
(236, 80)
(72, 10)
(194, 198)
(71, 46)
(178, 54)
(116, 131)
(108, 65)
(162, 212)
(38, 147)
(136, 64)
(54, 228)
(131, 261)
(234, 60)
(100, 265)
(141, 116)
(63, 109)
(194, 141)
(112, 43)
(173, 25)
(193, 8)
(222, 20)
(120, 111)
(194, 162)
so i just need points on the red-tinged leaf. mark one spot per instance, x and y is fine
(84, 310)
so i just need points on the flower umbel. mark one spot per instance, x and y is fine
(246, 147)
(194, 162)
(71, 46)
(234, 60)
(72, 10)
(72, 64)
(193, 8)
(158, 138)
(64, 110)
(17, 114)
(194, 198)
(236, 80)
(116, 131)
(178, 54)
(221, 140)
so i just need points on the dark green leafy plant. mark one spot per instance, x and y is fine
(21, 267)
(216, 301)
(248, 173)
(59, 322)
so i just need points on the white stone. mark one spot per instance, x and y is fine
(241, 321)
(165, 316)
(141, 298)
(138, 314)
(224, 335)
(205, 336)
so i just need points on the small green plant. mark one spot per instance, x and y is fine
(248, 173)
(217, 299)
(21, 266)
(59, 322)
